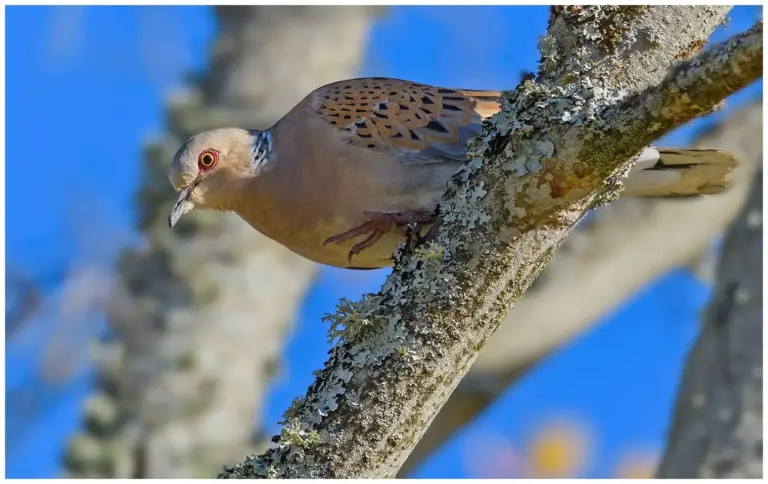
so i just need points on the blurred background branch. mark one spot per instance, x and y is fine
(717, 429)
(200, 314)
(22, 299)
(617, 251)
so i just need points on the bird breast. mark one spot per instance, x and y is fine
(320, 186)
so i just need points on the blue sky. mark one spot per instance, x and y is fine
(85, 86)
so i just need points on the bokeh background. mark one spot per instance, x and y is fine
(132, 351)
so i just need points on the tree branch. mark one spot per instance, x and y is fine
(691, 89)
(624, 247)
(717, 429)
(530, 179)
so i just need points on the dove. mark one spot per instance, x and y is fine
(341, 176)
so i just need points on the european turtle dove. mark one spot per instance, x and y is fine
(340, 176)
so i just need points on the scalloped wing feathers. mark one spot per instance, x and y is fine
(420, 123)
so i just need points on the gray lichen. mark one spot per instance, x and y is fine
(353, 321)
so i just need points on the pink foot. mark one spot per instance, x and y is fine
(379, 224)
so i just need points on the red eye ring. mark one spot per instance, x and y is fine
(208, 159)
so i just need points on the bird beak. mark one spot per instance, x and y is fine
(183, 205)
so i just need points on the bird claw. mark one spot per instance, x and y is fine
(368, 242)
(350, 234)
(379, 224)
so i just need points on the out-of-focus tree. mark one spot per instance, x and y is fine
(199, 315)
(717, 428)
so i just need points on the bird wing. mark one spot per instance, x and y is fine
(419, 123)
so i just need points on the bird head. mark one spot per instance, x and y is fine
(209, 167)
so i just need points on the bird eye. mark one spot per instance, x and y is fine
(207, 159)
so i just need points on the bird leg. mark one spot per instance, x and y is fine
(379, 224)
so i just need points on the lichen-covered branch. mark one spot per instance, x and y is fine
(201, 314)
(690, 90)
(622, 248)
(717, 428)
(529, 179)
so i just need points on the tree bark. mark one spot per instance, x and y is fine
(561, 145)
(624, 247)
(717, 428)
(202, 312)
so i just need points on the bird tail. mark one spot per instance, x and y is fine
(680, 173)
(673, 173)
(486, 102)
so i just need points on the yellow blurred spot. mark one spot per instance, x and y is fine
(558, 450)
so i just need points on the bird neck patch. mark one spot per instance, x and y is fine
(261, 151)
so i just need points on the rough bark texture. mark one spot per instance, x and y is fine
(717, 429)
(625, 246)
(545, 160)
(201, 313)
